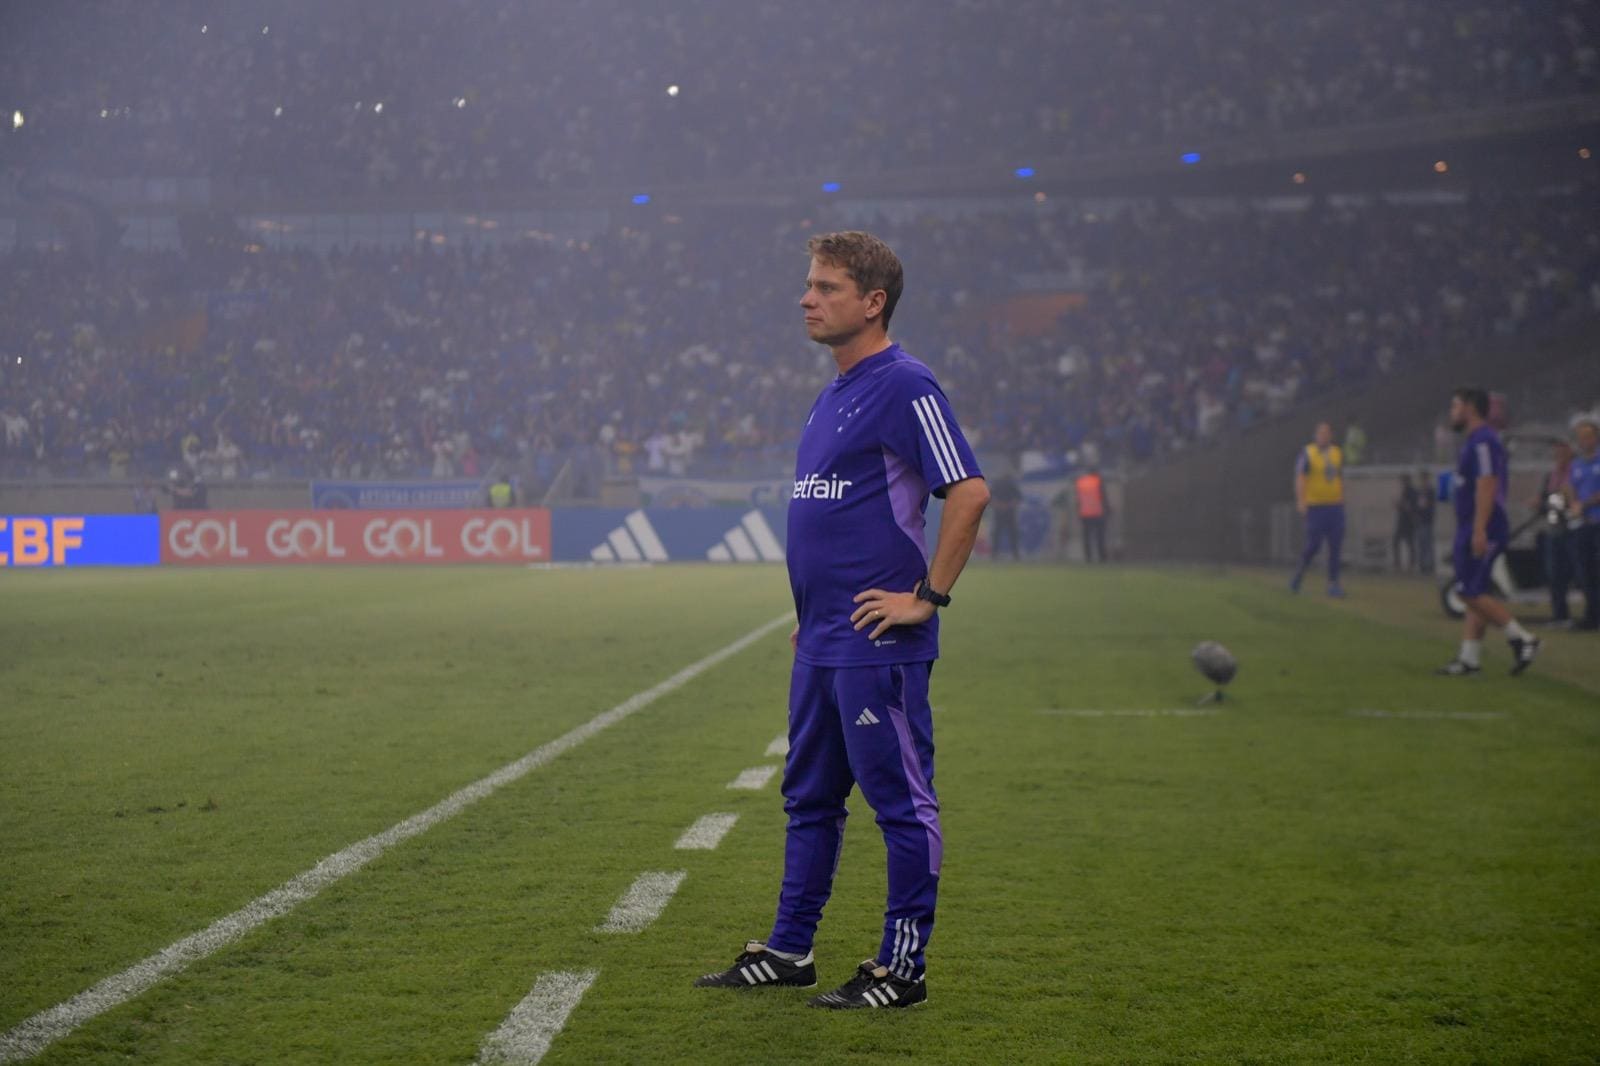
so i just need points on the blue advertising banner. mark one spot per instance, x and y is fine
(702, 534)
(28, 541)
(396, 495)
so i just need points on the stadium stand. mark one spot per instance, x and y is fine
(674, 344)
(456, 96)
(330, 310)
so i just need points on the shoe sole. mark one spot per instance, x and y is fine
(744, 987)
(896, 1006)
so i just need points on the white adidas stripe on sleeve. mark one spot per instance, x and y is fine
(944, 430)
(946, 471)
(938, 454)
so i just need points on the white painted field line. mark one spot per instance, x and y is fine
(1163, 712)
(643, 903)
(1455, 716)
(754, 778)
(525, 1035)
(779, 745)
(706, 833)
(48, 1026)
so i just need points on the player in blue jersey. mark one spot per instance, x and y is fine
(878, 441)
(1482, 530)
(1584, 478)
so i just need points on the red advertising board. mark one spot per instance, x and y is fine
(270, 538)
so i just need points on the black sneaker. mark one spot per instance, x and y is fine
(1457, 668)
(1523, 652)
(757, 966)
(874, 986)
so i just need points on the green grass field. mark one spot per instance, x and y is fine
(1282, 881)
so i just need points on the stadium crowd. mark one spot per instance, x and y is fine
(675, 345)
(465, 96)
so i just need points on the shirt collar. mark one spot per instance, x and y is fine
(876, 359)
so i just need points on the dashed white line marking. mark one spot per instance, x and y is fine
(525, 1035)
(1456, 716)
(1163, 712)
(779, 745)
(38, 1032)
(754, 778)
(643, 903)
(706, 833)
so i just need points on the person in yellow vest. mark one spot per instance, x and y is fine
(502, 494)
(1093, 510)
(1319, 496)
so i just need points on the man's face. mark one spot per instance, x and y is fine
(1323, 435)
(1588, 438)
(835, 308)
(1458, 413)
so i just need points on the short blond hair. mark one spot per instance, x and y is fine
(869, 262)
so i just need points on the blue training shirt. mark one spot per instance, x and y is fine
(878, 441)
(1482, 456)
(1585, 476)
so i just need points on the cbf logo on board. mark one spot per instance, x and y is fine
(79, 540)
(818, 487)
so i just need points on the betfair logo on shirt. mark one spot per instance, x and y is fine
(817, 487)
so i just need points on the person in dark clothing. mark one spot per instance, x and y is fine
(1005, 501)
(187, 490)
(1557, 545)
(1404, 541)
(1424, 522)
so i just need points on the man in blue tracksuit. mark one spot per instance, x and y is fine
(879, 439)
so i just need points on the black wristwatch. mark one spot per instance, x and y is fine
(925, 592)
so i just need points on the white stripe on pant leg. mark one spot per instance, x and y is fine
(43, 1029)
(526, 1034)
